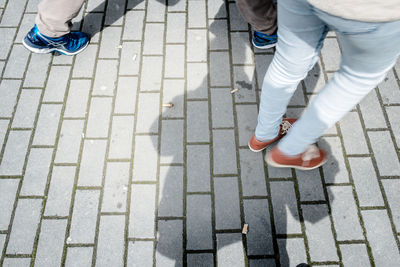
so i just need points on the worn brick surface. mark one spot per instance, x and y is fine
(125, 100)
(147, 117)
(174, 61)
(219, 69)
(142, 214)
(252, 173)
(176, 32)
(218, 34)
(196, 45)
(105, 78)
(171, 150)
(130, 58)
(221, 108)
(47, 125)
(169, 250)
(292, 251)
(198, 168)
(224, 152)
(354, 255)
(56, 84)
(9, 92)
(140, 253)
(8, 192)
(146, 156)
(92, 163)
(151, 73)
(77, 100)
(170, 198)
(227, 209)
(197, 80)
(70, 141)
(391, 187)
(230, 250)
(37, 70)
(79, 256)
(115, 187)
(197, 122)
(121, 137)
(84, 62)
(99, 117)
(385, 154)
(15, 153)
(17, 62)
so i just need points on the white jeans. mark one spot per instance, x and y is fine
(369, 50)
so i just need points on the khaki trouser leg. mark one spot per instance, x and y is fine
(261, 14)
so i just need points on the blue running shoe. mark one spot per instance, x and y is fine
(264, 41)
(69, 44)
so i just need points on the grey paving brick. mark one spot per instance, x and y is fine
(310, 185)
(353, 135)
(36, 172)
(77, 100)
(220, 74)
(9, 91)
(140, 253)
(227, 210)
(389, 89)
(121, 137)
(218, 34)
(393, 197)
(125, 101)
(92, 25)
(201, 260)
(292, 252)
(230, 250)
(394, 119)
(385, 154)
(236, 20)
(170, 201)
(136, 4)
(216, 9)
(331, 54)
(247, 122)
(99, 117)
(84, 217)
(197, 122)
(196, 45)
(56, 84)
(110, 247)
(198, 222)
(13, 13)
(145, 158)
(47, 125)
(26, 109)
(51, 243)
(176, 28)
(148, 113)
(151, 74)
(372, 112)
(335, 169)
(85, 62)
(134, 21)
(259, 237)
(115, 13)
(70, 141)
(380, 236)
(79, 256)
(106, 78)
(8, 191)
(3, 130)
(2, 241)
(365, 182)
(37, 70)
(224, 152)
(241, 48)
(173, 92)
(198, 168)
(59, 196)
(110, 42)
(315, 80)
(285, 208)
(156, 11)
(221, 108)
(91, 168)
(262, 263)
(115, 187)
(61, 60)
(25, 224)
(95, 5)
(197, 14)
(153, 31)
(175, 61)
(16, 63)
(171, 150)
(298, 98)
(354, 255)
(252, 173)
(130, 58)
(142, 212)
(15, 153)
(169, 245)
(7, 41)
(2, 63)
(20, 262)
(197, 80)
(274, 172)
(244, 81)
(321, 242)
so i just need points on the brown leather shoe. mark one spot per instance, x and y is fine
(310, 159)
(257, 146)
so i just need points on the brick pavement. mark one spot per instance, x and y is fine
(96, 171)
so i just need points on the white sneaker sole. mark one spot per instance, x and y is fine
(49, 50)
(254, 150)
(263, 47)
(272, 163)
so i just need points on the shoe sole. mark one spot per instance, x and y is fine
(49, 50)
(255, 150)
(277, 165)
(264, 46)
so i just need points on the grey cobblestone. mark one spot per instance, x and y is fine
(156, 11)
(26, 109)
(20, 262)
(298, 98)
(331, 54)
(106, 78)
(393, 198)
(230, 250)
(394, 119)
(224, 152)
(15, 153)
(115, 12)
(13, 13)
(176, 32)
(136, 4)
(116, 187)
(292, 252)
(353, 136)
(56, 84)
(197, 14)
(218, 34)
(201, 259)
(85, 62)
(219, 69)
(47, 125)
(95, 5)
(197, 80)
(134, 22)
(17, 62)
(173, 92)
(9, 92)
(91, 168)
(197, 45)
(335, 169)
(145, 158)
(354, 255)
(221, 108)
(227, 209)
(170, 200)
(70, 141)
(99, 117)
(130, 58)
(389, 89)
(315, 80)
(77, 100)
(385, 154)
(262, 63)
(197, 122)
(171, 150)
(262, 263)
(8, 191)
(37, 70)
(3, 130)
(310, 185)
(7, 41)
(372, 112)
(79, 256)
(153, 31)
(169, 249)
(216, 9)
(142, 213)
(125, 100)
(245, 82)
(252, 173)
(174, 61)
(236, 20)
(247, 122)
(198, 168)
(241, 49)
(121, 137)
(148, 113)
(151, 73)
(140, 253)
(110, 41)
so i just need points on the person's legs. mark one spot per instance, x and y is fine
(260, 14)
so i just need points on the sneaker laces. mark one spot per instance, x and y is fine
(312, 152)
(285, 126)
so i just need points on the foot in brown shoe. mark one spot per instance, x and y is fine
(257, 146)
(312, 158)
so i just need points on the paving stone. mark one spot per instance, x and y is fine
(174, 61)
(262, 263)
(197, 80)
(130, 58)
(8, 191)
(259, 237)
(197, 14)
(224, 152)
(385, 154)
(116, 187)
(221, 108)
(13, 13)
(51, 243)
(171, 150)
(92, 163)
(145, 158)
(115, 13)
(274, 172)
(26, 109)
(6, 41)
(246, 122)
(262, 63)
(9, 92)
(292, 252)
(241, 48)
(310, 185)
(36, 172)
(198, 222)
(156, 11)
(353, 135)
(315, 80)
(365, 182)
(92, 25)
(20, 262)
(218, 34)
(236, 20)
(110, 42)
(197, 122)
(173, 92)
(153, 32)
(136, 4)
(70, 140)
(335, 169)
(380, 236)
(84, 217)
(99, 117)
(354, 255)
(148, 113)
(394, 119)
(230, 250)
(391, 188)
(216, 9)
(200, 260)
(25, 224)
(142, 211)
(2, 63)
(331, 54)
(285, 208)
(121, 137)
(106, 78)
(79, 256)
(133, 28)
(151, 73)
(15, 153)
(372, 111)
(140, 253)
(321, 242)
(252, 173)
(227, 210)
(85, 62)
(95, 6)
(17, 62)
(170, 201)
(56, 84)
(3, 130)
(77, 100)
(220, 74)
(2, 241)
(47, 125)
(176, 28)
(298, 98)
(110, 248)
(125, 101)
(198, 168)
(389, 89)
(169, 249)
(37, 70)
(62, 60)
(196, 45)
(245, 82)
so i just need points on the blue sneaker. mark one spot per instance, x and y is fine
(69, 44)
(264, 41)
